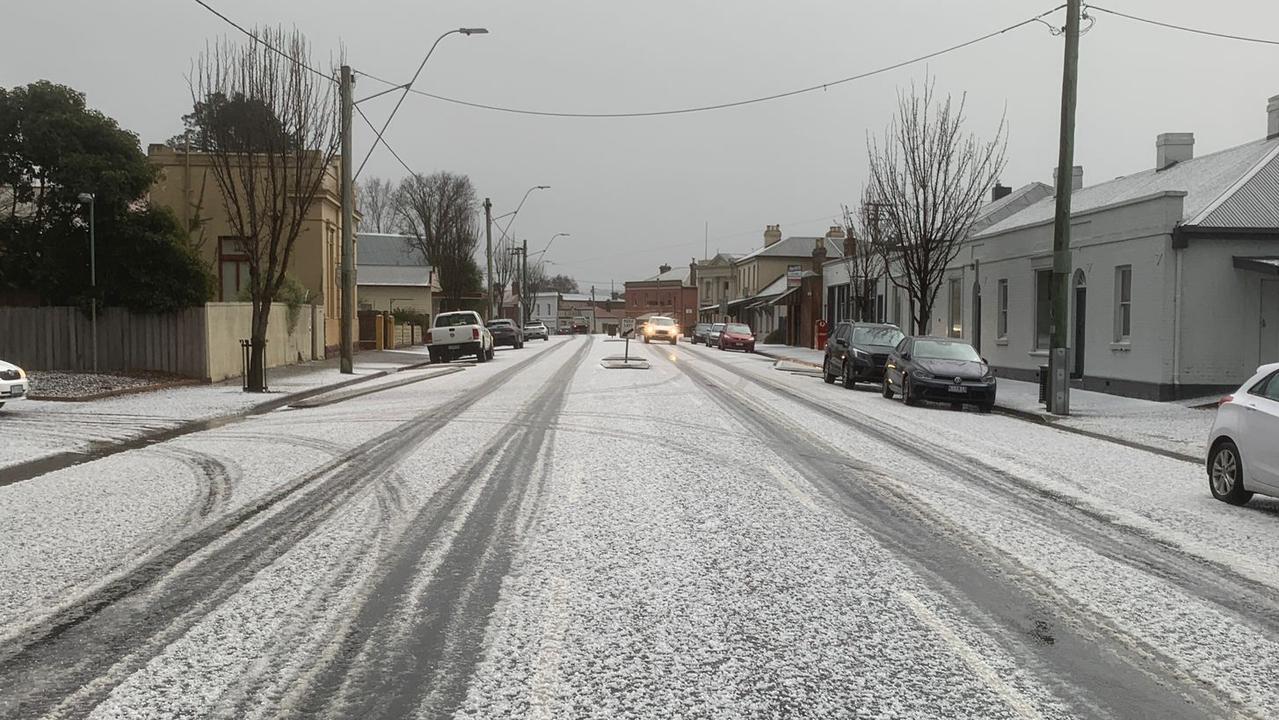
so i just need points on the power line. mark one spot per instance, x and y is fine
(265, 44)
(382, 140)
(1183, 28)
(736, 103)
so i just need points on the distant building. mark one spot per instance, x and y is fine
(671, 293)
(392, 274)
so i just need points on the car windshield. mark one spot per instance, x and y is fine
(943, 350)
(500, 323)
(455, 319)
(738, 329)
(717, 327)
(886, 336)
(661, 322)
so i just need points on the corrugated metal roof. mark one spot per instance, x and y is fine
(387, 249)
(1204, 179)
(798, 246)
(1255, 204)
(392, 275)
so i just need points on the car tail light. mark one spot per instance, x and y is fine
(475, 333)
(1226, 399)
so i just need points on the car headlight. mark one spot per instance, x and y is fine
(988, 379)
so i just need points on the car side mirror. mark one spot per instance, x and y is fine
(906, 356)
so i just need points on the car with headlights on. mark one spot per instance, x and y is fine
(857, 352)
(939, 369)
(661, 329)
(737, 336)
(14, 384)
(1243, 457)
(506, 332)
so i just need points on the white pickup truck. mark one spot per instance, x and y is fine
(456, 334)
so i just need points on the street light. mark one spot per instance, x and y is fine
(88, 199)
(506, 235)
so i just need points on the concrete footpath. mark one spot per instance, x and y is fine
(1173, 429)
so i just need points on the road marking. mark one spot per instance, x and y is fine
(793, 488)
(546, 669)
(1015, 700)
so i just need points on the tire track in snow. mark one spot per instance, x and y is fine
(70, 659)
(1075, 662)
(409, 648)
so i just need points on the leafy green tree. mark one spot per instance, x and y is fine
(52, 149)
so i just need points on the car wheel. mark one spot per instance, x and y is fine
(1, 405)
(850, 380)
(674, 341)
(482, 355)
(907, 396)
(986, 408)
(826, 374)
(887, 390)
(957, 406)
(645, 341)
(1225, 474)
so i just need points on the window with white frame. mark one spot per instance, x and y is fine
(955, 328)
(1001, 321)
(1043, 309)
(1123, 303)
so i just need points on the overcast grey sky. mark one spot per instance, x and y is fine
(636, 192)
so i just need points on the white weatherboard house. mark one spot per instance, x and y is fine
(1175, 282)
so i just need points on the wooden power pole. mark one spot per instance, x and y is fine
(347, 319)
(1059, 357)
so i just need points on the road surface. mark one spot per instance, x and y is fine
(539, 536)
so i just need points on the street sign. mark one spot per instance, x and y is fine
(794, 275)
(628, 327)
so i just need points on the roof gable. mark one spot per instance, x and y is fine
(795, 247)
(1251, 203)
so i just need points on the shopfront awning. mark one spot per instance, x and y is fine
(1266, 265)
(784, 298)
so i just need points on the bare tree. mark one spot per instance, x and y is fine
(506, 268)
(929, 178)
(376, 198)
(270, 165)
(439, 212)
(864, 259)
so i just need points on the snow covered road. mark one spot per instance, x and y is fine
(542, 537)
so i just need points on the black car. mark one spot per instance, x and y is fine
(506, 332)
(700, 331)
(939, 369)
(857, 352)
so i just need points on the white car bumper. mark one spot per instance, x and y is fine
(14, 389)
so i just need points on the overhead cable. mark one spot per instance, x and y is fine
(1182, 28)
(721, 106)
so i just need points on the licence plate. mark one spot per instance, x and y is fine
(17, 391)
(455, 347)
(957, 389)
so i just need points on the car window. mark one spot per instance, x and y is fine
(1268, 387)
(904, 346)
(888, 336)
(738, 328)
(717, 327)
(661, 322)
(456, 319)
(942, 350)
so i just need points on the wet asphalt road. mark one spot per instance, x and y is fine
(540, 537)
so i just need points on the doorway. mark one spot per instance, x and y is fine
(977, 316)
(1081, 316)
(1268, 349)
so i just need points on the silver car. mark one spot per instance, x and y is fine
(1242, 455)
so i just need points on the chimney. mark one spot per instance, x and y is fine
(692, 272)
(1172, 148)
(850, 245)
(834, 236)
(772, 235)
(1076, 178)
(819, 252)
(664, 268)
(1272, 118)
(1001, 191)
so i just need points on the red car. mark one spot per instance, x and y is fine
(737, 336)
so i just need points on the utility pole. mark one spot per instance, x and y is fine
(346, 364)
(524, 291)
(488, 254)
(1058, 359)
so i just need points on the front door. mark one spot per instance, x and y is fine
(1268, 351)
(977, 317)
(1081, 315)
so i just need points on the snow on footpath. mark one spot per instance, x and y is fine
(1176, 428)
(35, 429)
(672, 575)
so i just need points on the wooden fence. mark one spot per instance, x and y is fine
(61, 338)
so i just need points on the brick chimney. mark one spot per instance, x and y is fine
(834, 236)
(692, 272)
(772, 235)
(1272, 118)
(819, 253)
(1000, 191)
(663, 268)
(1076, 178)
(1172, 148)
(850, 245)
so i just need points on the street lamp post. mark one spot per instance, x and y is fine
(506, 236)
(88, 199)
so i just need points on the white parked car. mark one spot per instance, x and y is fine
(459, 333)
(13, 383)
(1243, 457)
